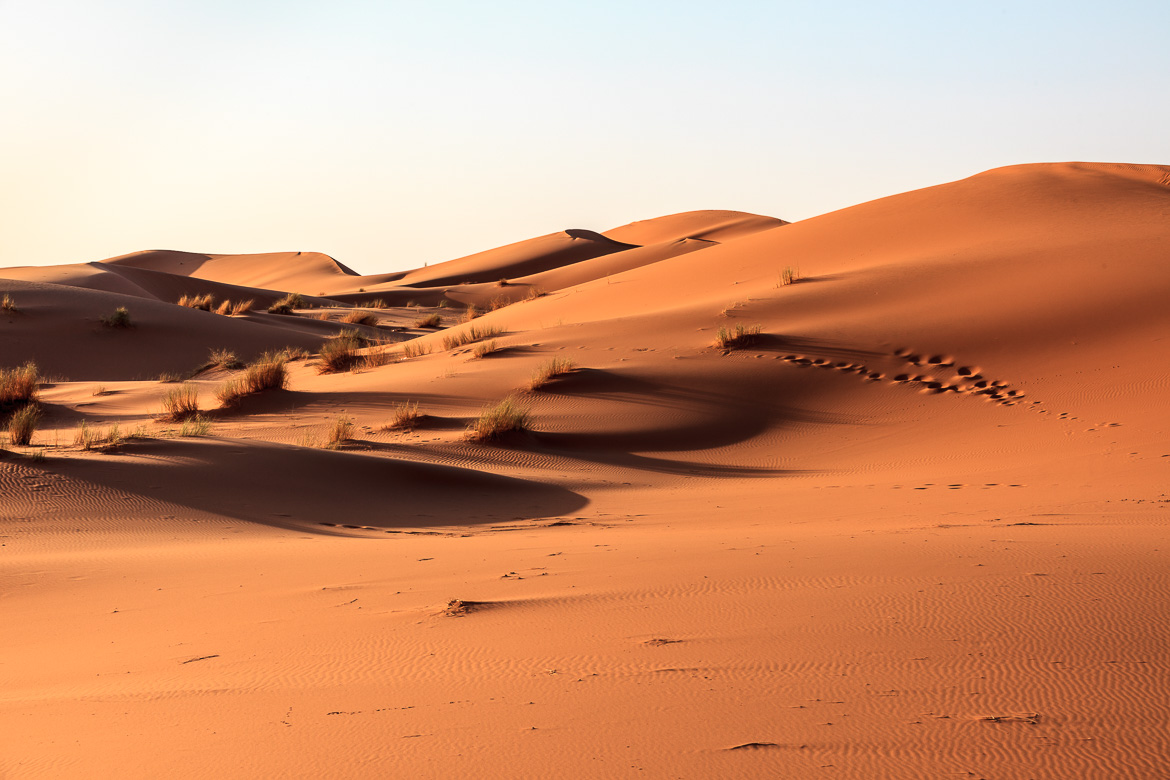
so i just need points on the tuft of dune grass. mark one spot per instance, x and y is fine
(429, 321)
(119, 319)
(23, 424)
(494, 421)
(548, 369)
(485, 348)
(738, 337)
(359, 318)
(406, 417)
(339, 433)
(286, 304)
(224, 358)
(242, 307)
(181, 402)
(8, 305)
(268, 372)
(463, 336)
(340, 353)
(19, 385)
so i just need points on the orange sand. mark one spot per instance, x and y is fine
(916, 529)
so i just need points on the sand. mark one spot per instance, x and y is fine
(914, 527)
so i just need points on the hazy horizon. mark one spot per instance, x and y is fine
(391, 135)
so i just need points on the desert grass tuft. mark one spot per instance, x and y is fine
(181, 402)
(468, 335)
(413, 349)
(339, 433)
(429, 321)
(738, 337)
(340, 353)
(360, 318)
(406, 417)
(268, 372)
(548, 369)
(788, 276)
(485, 348)
(195, 426)
(494, 421)
(90, 438)
(24, 424)
(224, 309)
(470, 313)
(19, 385)
(224, 358)
(286, 304)
(119, 319)
(8, 305)
(203, 302)
(242, 307)
(534, 293)
(168, 377)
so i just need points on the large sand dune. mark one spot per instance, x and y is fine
(913, 527)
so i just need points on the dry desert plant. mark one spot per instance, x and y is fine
(242, 307)
(737, 337)
(406, 417)
(169, 376)
(91, 438)
(224, 358)
(470, 313)
(339, 433)
(203, 302)
(340, 352)
(8, 305)
(412, 349)
(268, 372)
(788, 276)
(429, 321)
(23, 424)
(225, 308)
(534, 293)
(548, 369)
(494, 421)
(359, 318)
(119, 319)
(195, 426)
(286, 304)
(181, 402)
(485, 348)
(468, 335)
(19, 385)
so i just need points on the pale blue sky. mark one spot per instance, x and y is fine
(389, 134)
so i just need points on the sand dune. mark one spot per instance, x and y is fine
(911, 526)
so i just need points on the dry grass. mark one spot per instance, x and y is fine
(181, 402)
(534, 293)
(19, 385)
(376, 303)
(429, 321)
(738, 337)
(8, 305)
(23, 424)
(224, 358)
(286, 304)
(340, 352)
(548, 369)
(470, 313)
(100, 390)
(88, 438)
(268, 372)
(468, 335)
(412, 349)
(167, 377)
(406, 417)
(289, 354)
(495, 421)
(195, 426)
(340, 432)
(224, 309)
(499, 302)
(203, 302)
(242, 307)
(119, 319)
(788, 276)
(360, 318)
(485, 348)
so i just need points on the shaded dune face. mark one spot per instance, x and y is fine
(880, 493)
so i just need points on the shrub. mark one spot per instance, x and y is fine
(484, 348)
(739, 336)
(405, 417)
(8, 305)
(470, 313)
(266, 373)
(495, 421)
(181, 402)
(23, 424)
(119, 319)
(429, 321)
(242, 307)
(19, 385)
(340, 352)
(548, 369)
(788, 276)
(286, 304)
(340, 433)
(224, 358)
(468, 335)
(360, 318)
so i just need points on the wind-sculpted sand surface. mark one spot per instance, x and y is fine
(882, 493)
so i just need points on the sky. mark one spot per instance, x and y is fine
(392, 134)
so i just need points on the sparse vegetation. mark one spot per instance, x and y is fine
(289, 354)
(224, 358)
(19, 385)
(181, 402)
(339, 433)
(468, 335)
(788, 276)
(429, 321)
(406, 417)
(23, 424)
(224, 309)
(89, 438)
(499, 302)
(535, 292)
(167, 377)
(340, 352)
(268, 372)
(8, 305)
(376, 303)
(360, 318)
(119, 319)
(548, 369)
(485, 348)
(242, 307)
(100, 390)
(195, 426)
(443, 304)
(203, 302)
(470, 313)
(413, 349)
(494, 421)
(286, 304)
(737, 337)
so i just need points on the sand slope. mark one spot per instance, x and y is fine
(915, 528)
